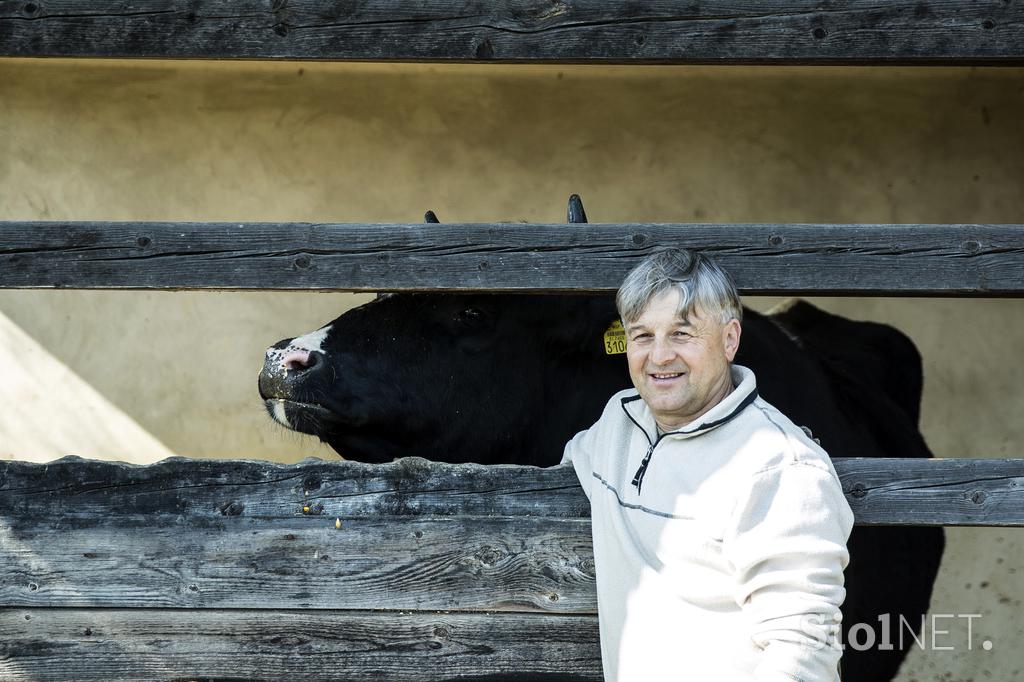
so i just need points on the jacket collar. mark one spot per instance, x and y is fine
(744, 393)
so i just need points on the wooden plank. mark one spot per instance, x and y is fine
(414, 534)
(143, 644)
(882, 491)
(644, 31)
(76, 488)
(978, 260)
(934, 492)
(124, 559)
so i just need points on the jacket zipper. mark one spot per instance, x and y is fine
(638, 477)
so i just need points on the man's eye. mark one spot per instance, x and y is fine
(682, 335)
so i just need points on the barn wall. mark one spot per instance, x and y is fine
(248, 141)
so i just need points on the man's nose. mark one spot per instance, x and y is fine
(662, 353)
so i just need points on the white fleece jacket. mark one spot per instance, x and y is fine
(724, 561)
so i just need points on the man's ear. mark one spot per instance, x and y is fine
(731, 338)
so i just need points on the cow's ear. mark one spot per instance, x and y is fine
(581, 323)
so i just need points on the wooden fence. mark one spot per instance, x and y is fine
(937, 260)
(567, 31)
(404, 571)
(412, 570)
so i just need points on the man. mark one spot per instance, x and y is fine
(719, 527)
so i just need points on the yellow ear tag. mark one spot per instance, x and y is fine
(615, 339)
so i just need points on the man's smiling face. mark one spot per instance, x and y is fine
(680, 366)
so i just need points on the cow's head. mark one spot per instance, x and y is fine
(456, 377)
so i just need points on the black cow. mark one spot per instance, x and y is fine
(510, 378)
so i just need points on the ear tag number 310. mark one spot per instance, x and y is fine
(615, 339)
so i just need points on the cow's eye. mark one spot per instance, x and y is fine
(471, 317)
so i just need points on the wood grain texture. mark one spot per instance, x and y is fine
(202, 569)
(934, 492)
(217, 489)
(980, 260)
(643, 31)
(143, 644)
(461, 563)
(89, 493)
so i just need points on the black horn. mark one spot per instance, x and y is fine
(430, 217)
(576, 212)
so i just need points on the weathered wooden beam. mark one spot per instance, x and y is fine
(202, 561)
(144, 644)
(240, 568)
(934, 492)
(978, 260)
(643, 31)
(76, 492)
(411, 534)
(75, 488)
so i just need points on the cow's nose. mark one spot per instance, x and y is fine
(287, 368)
(298, 360)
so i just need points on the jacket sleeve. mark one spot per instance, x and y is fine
(584, 449)
(787, 543)
(580, 453)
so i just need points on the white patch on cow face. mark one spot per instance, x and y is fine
(277, 412)
(312, 342)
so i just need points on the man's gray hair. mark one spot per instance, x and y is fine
(701, 282)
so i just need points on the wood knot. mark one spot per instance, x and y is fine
(231, 508)
(971, 246)
(858, 490)
(978, 497)
(775, 240)
(485, 50)
(303, 262)
(489, 556)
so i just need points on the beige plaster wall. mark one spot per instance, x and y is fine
(285, 141)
